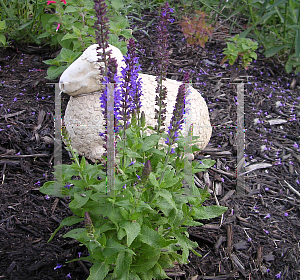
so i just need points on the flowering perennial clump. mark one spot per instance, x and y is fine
(140, 227)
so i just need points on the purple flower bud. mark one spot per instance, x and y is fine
(88, 224)
(178, 113)
(146, 171)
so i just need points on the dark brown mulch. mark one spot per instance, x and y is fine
(257, 238)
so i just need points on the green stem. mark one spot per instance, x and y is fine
(285, 19)
(257, 33)
(9, 15)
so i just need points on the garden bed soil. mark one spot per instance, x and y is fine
(257, 238)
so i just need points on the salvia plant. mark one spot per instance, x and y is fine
(142, 228)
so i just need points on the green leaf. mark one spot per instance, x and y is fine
(132, 154)
(132, 230)
(274, 50)
(167, 196)
(71, 9)
(75, 233)
(2, 39)
(208, 212)
(123, 262)
(148, 257)
(150, 141)
(69, 221)
(289, 66)
(53, 72)
(122, 24)
(80, 200)
(196, 253)
(153, 238)
(2, 24)
(69, 36)
(65, 54)
(153, 180)
(126, 33)
(98, 271)
(52, 188)
(117, 4)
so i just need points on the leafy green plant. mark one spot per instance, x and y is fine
(72, 27)
(143, 227)
(22, 20)
(196, 30)
(243, 48)
(136, 224)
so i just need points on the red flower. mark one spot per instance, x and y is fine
(64, 1)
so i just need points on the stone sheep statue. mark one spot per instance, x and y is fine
(84, 119)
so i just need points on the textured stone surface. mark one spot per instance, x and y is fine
(82, 76)
(84, 119)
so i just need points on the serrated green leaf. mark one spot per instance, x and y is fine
(167, 196)
(123, 262)
(153, 180)
(98, 271)
(80, 199)
(132, 230)
(208, 212)
(153, 238)
(65, 53)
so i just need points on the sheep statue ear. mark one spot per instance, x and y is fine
(82, 76)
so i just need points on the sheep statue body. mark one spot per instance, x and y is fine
(83, 116)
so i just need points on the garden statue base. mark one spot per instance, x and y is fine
(84, 119)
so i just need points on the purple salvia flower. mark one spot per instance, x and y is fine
(162, 56)
(177, 119)
(109, 71)
(131, 85)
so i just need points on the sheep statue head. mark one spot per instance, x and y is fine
(83, 116)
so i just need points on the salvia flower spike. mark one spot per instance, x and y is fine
(131, 85)
(162, 57)
(178, 113)
(146, 171)
(89, 225)
(102, 30)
